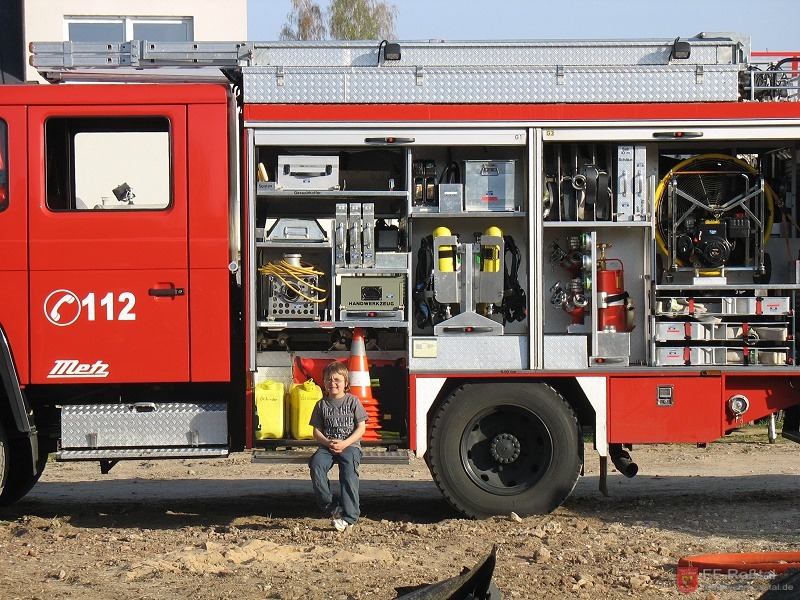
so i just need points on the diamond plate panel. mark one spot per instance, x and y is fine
(492, 85)
(566, 352)
(371, 456)
(464, 353)
(724, 50)
(144, 424)
(142, 453)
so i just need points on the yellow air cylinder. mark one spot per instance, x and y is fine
(490, 254)
(447, 255)
(302, 398)
(269, 408)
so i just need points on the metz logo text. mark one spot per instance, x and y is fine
(66, 368)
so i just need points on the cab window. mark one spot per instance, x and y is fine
(108, 163)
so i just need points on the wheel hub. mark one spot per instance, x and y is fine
(504, 448)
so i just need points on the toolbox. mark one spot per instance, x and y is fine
(303, 172)
(382, 297)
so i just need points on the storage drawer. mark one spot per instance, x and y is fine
(677, 356)
(666, 332)
(680, 356)
(696, 331)
(703, 305)
(144, 424)
(761, 306)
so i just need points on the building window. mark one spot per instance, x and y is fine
(95, 31)
(121, 29)
(99, 163)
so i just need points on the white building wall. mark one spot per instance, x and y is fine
(212, 19)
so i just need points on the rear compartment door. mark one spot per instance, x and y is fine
(109, 265)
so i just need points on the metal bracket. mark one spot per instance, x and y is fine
(135, 53)
(560, 74)
(107, 465)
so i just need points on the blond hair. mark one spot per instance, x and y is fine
(336, 368)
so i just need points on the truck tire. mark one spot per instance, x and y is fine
(20, 477)
(5, 459)
(495, 448)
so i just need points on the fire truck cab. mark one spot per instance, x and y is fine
(533, 242)
(108, 261)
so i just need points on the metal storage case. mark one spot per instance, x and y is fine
(301, 172)
(490, 185)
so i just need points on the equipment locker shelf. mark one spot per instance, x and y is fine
(320, 202)
(309, 187)
(750, 325)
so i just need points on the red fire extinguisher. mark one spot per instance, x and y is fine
(615, 310)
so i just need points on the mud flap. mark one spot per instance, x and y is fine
(475, 584)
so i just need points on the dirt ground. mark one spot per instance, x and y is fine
(231, 528)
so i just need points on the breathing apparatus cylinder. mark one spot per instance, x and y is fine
(490, 254)
(445, 255)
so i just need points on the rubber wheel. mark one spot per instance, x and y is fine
(5, 459)
(19, 477)
(502, 447)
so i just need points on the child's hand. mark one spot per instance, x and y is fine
(336, 446)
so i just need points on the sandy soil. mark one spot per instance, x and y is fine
(231, 528)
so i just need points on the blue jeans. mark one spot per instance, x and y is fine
(348, 462)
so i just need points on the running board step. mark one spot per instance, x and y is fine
(115, 454)
(371, 456)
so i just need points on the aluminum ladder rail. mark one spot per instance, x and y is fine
(137, 60)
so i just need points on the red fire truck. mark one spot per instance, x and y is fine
(534, 242)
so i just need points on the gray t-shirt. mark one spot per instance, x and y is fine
(337, 418)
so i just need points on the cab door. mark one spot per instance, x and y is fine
(109, 274)
(13, 242)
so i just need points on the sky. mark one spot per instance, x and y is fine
(772, 25)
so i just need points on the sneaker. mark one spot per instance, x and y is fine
(341, 525)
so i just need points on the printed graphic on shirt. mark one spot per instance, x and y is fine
(337, 419)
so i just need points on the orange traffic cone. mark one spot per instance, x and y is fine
(361, 385)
